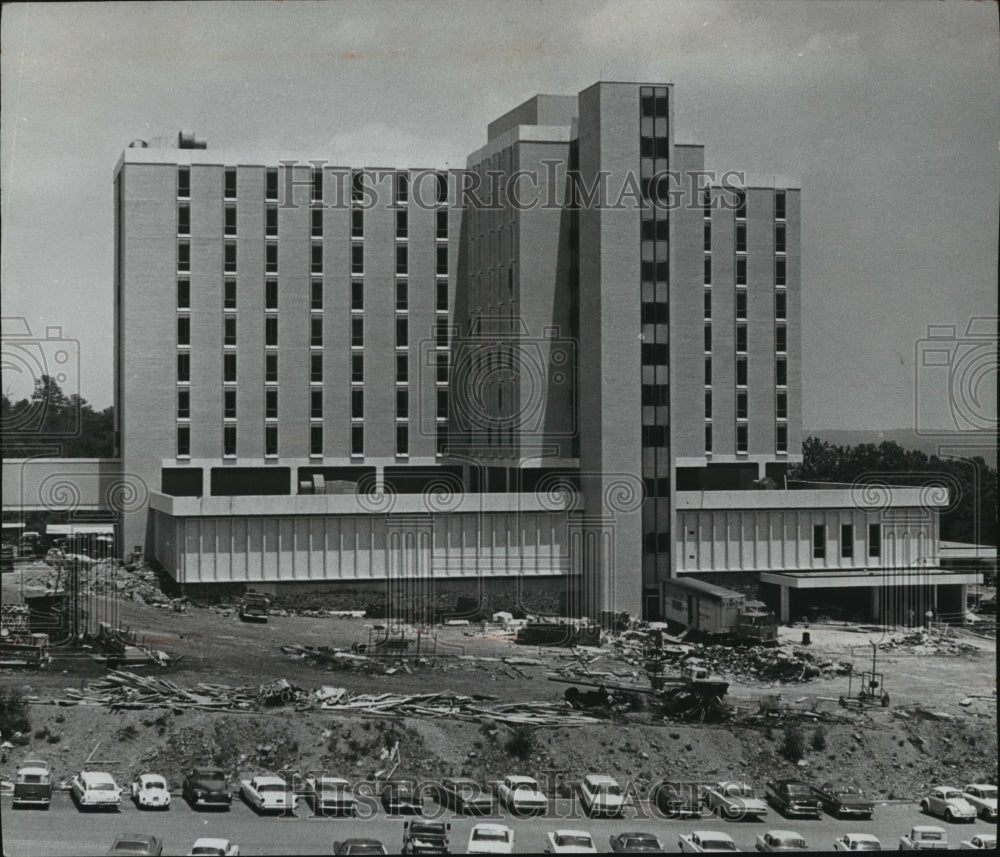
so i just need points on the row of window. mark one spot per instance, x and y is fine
(780, 271)
(780, 306)
(780, 404)
(780, 206)
(743, 437)
(741, 237)
(846, 541)
(780, 337)
(271, 441)
(780, 371)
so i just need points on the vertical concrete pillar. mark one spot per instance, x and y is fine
(875, 601)
(783, 609)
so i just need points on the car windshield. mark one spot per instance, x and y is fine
(645, 843)
(990, 792)
(101, 787)
(33, 778)
(270, 787)
(929, 835)
(866, 845)
(130, 845)
(572, 839)
(609, 790)
(208, 851)
(798, 789)
(426, 829)
(791, 842)
(155, 784)
(490, 836)
(951, 794)
(718, 845)
(208, 775)
(848, 790)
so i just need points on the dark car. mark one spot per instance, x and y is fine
(844, 801)
(207, 787)
(636, 843)
(425, 837)
(358, 847)
(792, 798)
(677, 800)
(465, 796)
(398, 797)
(136, 845)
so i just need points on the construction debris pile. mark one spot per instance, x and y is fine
(770, 665)
(924, 642)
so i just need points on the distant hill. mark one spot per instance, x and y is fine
(908, 439)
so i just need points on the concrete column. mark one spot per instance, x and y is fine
(783, 609)
(876, 602)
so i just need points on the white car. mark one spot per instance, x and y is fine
(857, 842)
(569, 842)
(706, 842)
(268, 794)
(949, 803)
(331, 795)
(149, 791)
(491, 839)
(982, 842)
(734, 800)
(95, 790)
(210, 847)
(781, 840)
(521, 795)
(984, 798)
(601, 795)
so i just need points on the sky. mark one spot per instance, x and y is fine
(887, 112)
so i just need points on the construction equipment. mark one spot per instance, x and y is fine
(872, 687)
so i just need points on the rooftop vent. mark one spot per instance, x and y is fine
(187, 140)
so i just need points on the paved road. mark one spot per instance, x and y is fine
(63, 830)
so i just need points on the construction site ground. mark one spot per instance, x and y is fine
(940, 726)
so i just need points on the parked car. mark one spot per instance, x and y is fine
(425, 837)
(569, 842)
(857, 842)
(636, 843)
(150, 791)
(706, 842)
(331, 796)
(521, 795)
(924, 837)
(792, 798)
(981, 842)
(207, 787)
(949, 803)
(465, 795)
(982, 796)
(490, 839)
(398, 797)
(95, 790)
(677, 800)
(781, 840)
(844, 801)
(268, 793)
(33, 784)
(732, 799)
(359, 847)
(136, 845)
(211, 847)
(601, 795)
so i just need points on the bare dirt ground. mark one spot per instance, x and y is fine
(939, 727)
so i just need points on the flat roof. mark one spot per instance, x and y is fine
(703, 587)
(850, 578)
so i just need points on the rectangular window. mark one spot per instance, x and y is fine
(229, 441)
(229, 368)
(846, 541)
(780, 304)
(270, 294)
(183, 220)
(229, 294)
(315, 440)
(741, 270)
(401, 259)
(402, 368)
(357, 258)
(229, 221)
(401, 296)
(316, 404)
(183, 441)
(779, 238)
(708, 270)
(442, 188)
(781, 372)
(442, 404)
(271, 368)
(183, 256)
(183, 330)
(741, 238)
(357, 440)
(316, 294)
(402, 332)
(402, 223)
(316, 229)
(780, 271)
(708, 337)
(708, 438)
(357, 332)
(184, 294)
(819, 541)
(229, 183)
(441, 335)
(357, 295)
(442, 296)
(779, 205)
(708, 236)
(271, 258)
(654, 395)
(442, 369)
(271, 221)
(271, 403)
(741, 204)
(271, 441)
(271, 330)
(229, 330)
(781, 437)
(184, 367)
(317, 189)
(442, 223)
(357, 368)
(708, 404)
(741, 303)
(874, 540)
(780, 338)
(708, 371)
(357, 404)
(654, 313)
(271, 184)
(402, 403)
(184, 182)
(741, 405)
(229, 404)
(654, 436)
(742, 440)
(317, 258)
(442, 260)
(402, 188)
(316, 368)
(183, 404)
(358, 223)
(316, 332)
(781, 405)
(402, 440)
(741, 338)
(708, 304)
(654, 354)
(741, 371)
(229, 259)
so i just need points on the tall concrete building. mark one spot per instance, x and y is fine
(506, 379)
